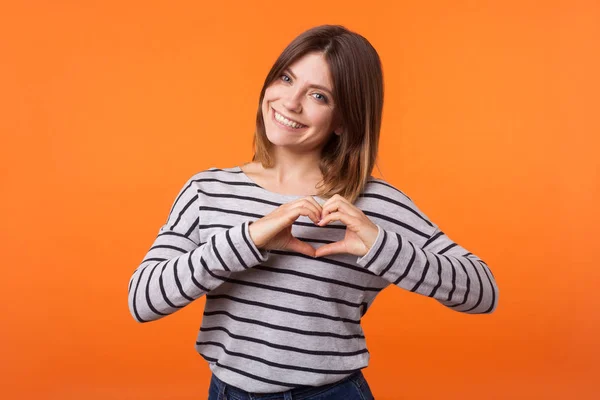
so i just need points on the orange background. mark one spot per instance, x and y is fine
(491, 124)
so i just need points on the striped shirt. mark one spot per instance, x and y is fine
(275, 320)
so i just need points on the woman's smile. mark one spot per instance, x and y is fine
(286, 123)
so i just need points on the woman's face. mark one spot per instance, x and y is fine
(298, 107)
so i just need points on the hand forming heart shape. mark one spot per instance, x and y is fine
(274, 230)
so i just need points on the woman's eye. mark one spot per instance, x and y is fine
(323, 98)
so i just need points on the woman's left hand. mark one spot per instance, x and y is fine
(361, 233)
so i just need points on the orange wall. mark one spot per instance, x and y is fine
(491, 125)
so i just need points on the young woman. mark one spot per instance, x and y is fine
(291, 249)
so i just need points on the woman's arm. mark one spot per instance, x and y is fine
(178, 269)
(440, 268)
(414, 254)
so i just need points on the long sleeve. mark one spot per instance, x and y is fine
(178, 269)
(440, 269)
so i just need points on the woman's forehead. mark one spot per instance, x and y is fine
(313, 69)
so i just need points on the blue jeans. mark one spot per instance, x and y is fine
(353, 387)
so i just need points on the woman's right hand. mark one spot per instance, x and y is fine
(274, 230)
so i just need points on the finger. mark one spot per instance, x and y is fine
(335, 198)
(331, 248)
(312, 200)
(315, 214)
(299, 246)
(328, 208)
(346, 219)
(305, 209)
(339, 206)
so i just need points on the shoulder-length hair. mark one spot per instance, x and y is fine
(348, 159)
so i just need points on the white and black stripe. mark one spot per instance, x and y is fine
(275, 320)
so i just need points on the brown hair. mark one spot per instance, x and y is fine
(348, 159)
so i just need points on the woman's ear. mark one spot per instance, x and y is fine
(337, 123)
(339, 131)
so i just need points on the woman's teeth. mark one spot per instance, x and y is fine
(287, 122)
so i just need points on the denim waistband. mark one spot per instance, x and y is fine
(298, 393)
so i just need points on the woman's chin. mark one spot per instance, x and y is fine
(278, 133)
(280, 138)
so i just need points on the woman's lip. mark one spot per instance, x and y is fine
(275, 111)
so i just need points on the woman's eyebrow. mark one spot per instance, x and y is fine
(312, 85)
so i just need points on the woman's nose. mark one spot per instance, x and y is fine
(293, 101)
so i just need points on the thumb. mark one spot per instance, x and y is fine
(299, 246)
(330, 248)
